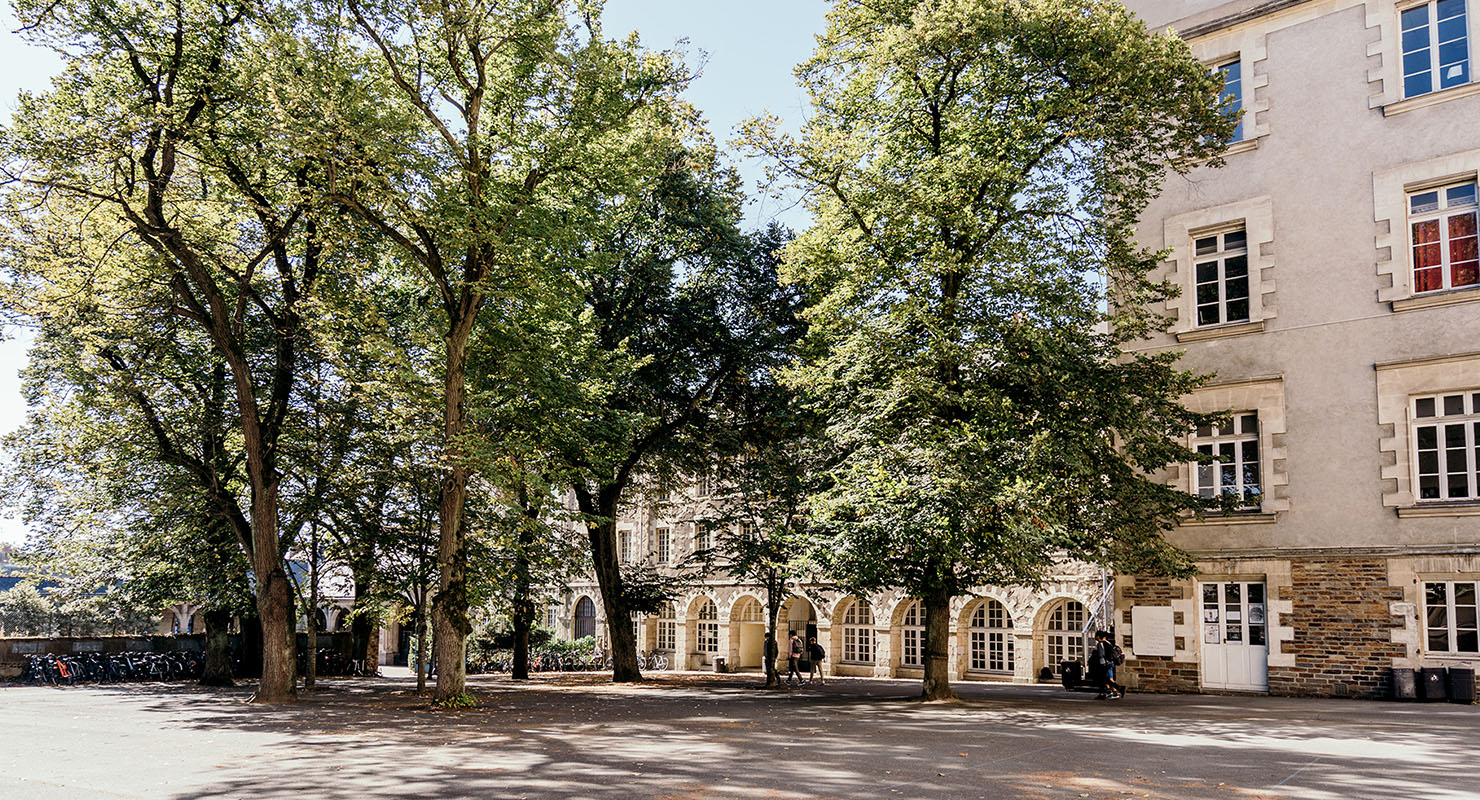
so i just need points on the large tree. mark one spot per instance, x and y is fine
(460, 141)
(975, 169)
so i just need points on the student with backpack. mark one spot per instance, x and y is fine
(817, 654)
(1108, 656)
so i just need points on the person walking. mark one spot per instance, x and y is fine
(1104, 659)
(817, 654)
(794, 656)
(769, 657)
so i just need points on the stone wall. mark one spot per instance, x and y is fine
(1156, 673)
(1343, 630)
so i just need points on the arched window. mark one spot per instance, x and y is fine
(708, 628)
(585, 618)
(912, 652)
(858, 633)
(1064, 638)
(749, 610)
(991, 637)
(666, 628)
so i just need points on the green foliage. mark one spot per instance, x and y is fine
(24, 612)
(975, 168)
(455, 702)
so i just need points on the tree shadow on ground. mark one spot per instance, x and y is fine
(691, 736)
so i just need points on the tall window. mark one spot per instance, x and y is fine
(626, 546)
(1435, 51)
(667, 627)
(990, 636)
(1442, 222)
(1450, 616)
(708, 627)
(1221, 265)
(665, 545)
(858, 633)
(702, 538)
(552, 615)
(1233, 94)
(913, 636)
(1235, 444)
(748, 531)
(1064, 638)
(1446, 439)
(703, 484)
(585, 624)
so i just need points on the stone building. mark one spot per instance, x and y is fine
(997, 633)
(1329, 279)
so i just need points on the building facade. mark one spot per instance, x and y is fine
(997, 633)
(1329, 280)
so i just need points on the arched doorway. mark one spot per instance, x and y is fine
(1063, 635)
(704, 630)
(585, 621)
(748, 631)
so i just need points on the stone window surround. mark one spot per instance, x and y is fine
(1390, 189)
(1266, 396)
(1386, 79)
(1256, 216)
(1397, 382)
(1411, 574)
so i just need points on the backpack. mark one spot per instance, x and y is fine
(1117, 655)
(816, 652)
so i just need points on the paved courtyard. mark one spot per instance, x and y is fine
(702, 736)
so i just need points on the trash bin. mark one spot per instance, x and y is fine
(1403, 688)
(1462, 685)
(1431, 682)
(719, 665)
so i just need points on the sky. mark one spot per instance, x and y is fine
(747, 51)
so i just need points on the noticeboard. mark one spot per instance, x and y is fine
(1151, 631)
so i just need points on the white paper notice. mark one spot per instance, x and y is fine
(1151, 631)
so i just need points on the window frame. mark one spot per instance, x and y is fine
(1240, 439)
(859, 645)
(1452, 630)
(1221, 66)
(1432, 45)
(706, 629)
(1443, 214)
(990, 638)
(1468, 420)
(664, 536)
(912, 636)
(1220, 256)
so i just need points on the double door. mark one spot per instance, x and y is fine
(1235, 640)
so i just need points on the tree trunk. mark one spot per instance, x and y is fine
(773, 611)
(371, 652)
(311, 658)
(450, 608)
(522, 624)
(218, 649)
(938, 646)
(609, 579)
(523, 607)
(420, 625)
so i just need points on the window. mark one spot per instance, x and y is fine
(1232, 95)
(1446, 443)
(708, 628)
(585, 624)
(990, 638)
(1064, 638)
(552, 615)
(858, 633)
(1235, 445)
(665, 545)
(702, 539)
(1221, 272)
(749, 532)
(667, 629)
(913, 636)
(749, 610)
(1442, 223)
(1435, 50)
(703, 484)
(1450, 618)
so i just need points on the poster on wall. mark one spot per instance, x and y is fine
(1210, 615)
(1151, 631)
(1212, 634)
(1256, 613)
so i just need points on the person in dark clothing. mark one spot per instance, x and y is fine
(794, 657)
(1104, 660)
(817, 655)
(769, 656)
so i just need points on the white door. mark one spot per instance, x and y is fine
(1235, 645)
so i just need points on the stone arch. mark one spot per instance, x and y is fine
(747, 631)
(1051, 645)
(990, 648)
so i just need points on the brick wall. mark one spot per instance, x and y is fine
(1342, 630)
(1155, 673)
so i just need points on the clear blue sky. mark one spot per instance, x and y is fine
(748, 51)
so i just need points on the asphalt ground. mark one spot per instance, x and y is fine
(692, 735)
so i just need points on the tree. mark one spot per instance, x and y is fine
(975, 169)
(164, 118)
(25, 612)
(460, 142)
